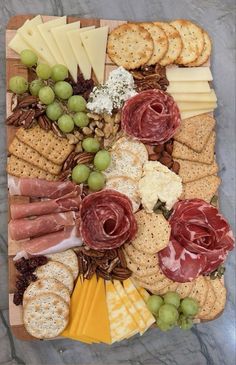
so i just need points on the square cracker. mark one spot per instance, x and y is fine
(184, 152)
(21, 168)
(194, 132)
(204, 188)
(191, 171)
(28, 154)
(50, 146)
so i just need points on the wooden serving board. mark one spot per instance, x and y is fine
(14, 67)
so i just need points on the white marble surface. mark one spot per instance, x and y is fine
(207, 344)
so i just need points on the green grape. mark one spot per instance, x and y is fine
(168, 313)
(43, 71)
(189, 306)
(18, 84)
(90, 144)
(65, 123)
(35, 86)
(77, 103)
(46, 95)
(28, 58)
(80, 173)
(59, 72)
(96, 181)
(54, 111)
(154, 303)
(172, 298)
(81, 119)
(164, 326)
(102, 160)
(184, 322)
(63, 89)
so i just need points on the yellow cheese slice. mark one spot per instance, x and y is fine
(189, 74)
(195, 97)
(60, 36)
(45, 31)
(97, 323)
(138, 302)
(186, 106)
(193, 113)
(188, 87)
(79, 51)
(95, 43)
(30, 33)
(130, 306)
(121, 322)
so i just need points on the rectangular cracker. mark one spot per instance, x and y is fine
(28, 154)
(191, 170)
(53, 148)
(21, 168)
(194, 132)
(186, 153)
(204, 188)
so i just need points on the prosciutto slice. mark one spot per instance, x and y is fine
(42, 188)
(200, 241)
(152, 116)
(21, 229)
(44, 207)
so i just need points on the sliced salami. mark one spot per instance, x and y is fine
(151, 116)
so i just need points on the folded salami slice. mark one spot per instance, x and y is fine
(107, 220)
(151, 116)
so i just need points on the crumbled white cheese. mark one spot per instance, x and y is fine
(159, 183)
(118, 88)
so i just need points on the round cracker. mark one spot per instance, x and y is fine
(44, 286)
(153, 232)
(160, 42)
(171, 287)
(130, 46)
(139, 270)
(139, 257)
(199, 290)
(192, 38)
(46, 315)
(204, 56)
(68, 258)
(175, 44)
(156, 287)
(58, 271)
(184, 289)
(206, 309)
(220, 295)
(154, 278)
(132, 145)
(124, 164)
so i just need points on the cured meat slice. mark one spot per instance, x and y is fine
(107, 220)
(42, 188)
(50, 243)
(151, 116)
(198, 231)
(21, 229)
(44, 207)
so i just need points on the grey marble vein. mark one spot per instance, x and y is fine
(206, 344)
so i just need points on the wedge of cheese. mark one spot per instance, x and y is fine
(60, 36)
(95, 43)
(189, 74)
(196, 97)
(30, 33)
(79, 51)
(45, 31)
(188, 87)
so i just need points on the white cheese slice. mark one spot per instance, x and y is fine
(196, 97)
(60, 36)
(45, 31)
(30, 33)
(95, 43)
(189, 74)
(193, 113)
(17, 43)
(79, 51)
(185, 106)
(188, 87)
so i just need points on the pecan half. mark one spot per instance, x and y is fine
(122, 259)
(44, 122)
(13, 118)
(57, 131)
(28, 100)
(28, 119)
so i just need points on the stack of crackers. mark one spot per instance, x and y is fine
(37, 153)
(193, 149)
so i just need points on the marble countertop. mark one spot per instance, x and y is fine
(206, 344)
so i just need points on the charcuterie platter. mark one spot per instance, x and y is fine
(114, 222)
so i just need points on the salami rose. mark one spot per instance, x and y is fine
(200, 241)
(151, 116)
(107, 220)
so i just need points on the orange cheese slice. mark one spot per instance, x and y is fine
(97, 323)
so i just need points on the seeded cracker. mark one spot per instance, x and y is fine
(155, 287)
(184, 289)
(204, 56)
(199, 291)
(204, 188)
(130, 46)
(211, 298)
(140, 257)
(171, 287)
(160, 42)
(175, 44)
(192, 171)
(140, 270)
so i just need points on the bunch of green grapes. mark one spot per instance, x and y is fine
(170, 310)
